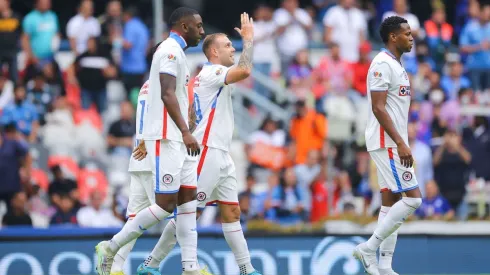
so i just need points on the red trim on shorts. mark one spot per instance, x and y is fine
(188, 186)
(201, 161)
(384, 190)
(165, 115)
(381, 137)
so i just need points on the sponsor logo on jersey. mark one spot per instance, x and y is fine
(172, 57)
(377, 74)
(404, 91)
(219, 71)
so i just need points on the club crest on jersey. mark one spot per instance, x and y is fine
(377, 74)
(167, 179)
(219, 71)
(407, 176)
(404, 91)
(172, 57)
(201, 196)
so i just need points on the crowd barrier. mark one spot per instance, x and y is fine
(73, 253)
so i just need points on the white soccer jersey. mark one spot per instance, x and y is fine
(170, 59)
(387, 74)
(141, 112)
(214, 110)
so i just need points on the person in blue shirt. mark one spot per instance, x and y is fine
(41, 29)
(135, 44)
(454, 81)
(434, 206)
(475, 42)
(288, 200)
(23, 114)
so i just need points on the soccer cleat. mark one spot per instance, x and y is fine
(146, 270)
(105, 258)
(367, 258)
(204, 271)
(255, 273)
(117, 273)
(387, 271)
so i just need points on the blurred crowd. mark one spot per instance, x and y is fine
(66, 140)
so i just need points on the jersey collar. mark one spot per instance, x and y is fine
(390, 54)
(179, 39)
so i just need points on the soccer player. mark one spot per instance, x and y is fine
(216, 170)
(168, 140)
(387, 142)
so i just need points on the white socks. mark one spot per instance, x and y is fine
(165, 244)
(145, 219)
(387, 247)
(187, 234)
(393, 220)
(235, 239)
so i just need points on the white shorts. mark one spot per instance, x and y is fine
(141, 192)
(392, 175)
(167, 160)
(216, 178)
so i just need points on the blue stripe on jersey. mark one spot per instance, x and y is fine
(197, 108)
(215, 102)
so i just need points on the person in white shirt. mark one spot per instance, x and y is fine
(168, 140)
(95, 215)
(389, 95)
(346, 26)
(82, 26)
(216, 175)
(6, 92)
(265, 52)
(400, 8)
(293, 25)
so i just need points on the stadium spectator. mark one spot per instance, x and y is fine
(422, 155)
(308, 131)
(454, 81)
(438, 36)
(341, 20)
(40, 95)
(66, 212)
(293, 25)
(475, 43)
(54, 79)
(434, 205)
(82, 27)
(111, 26)
(265, 52)
(360, 69)
(451, 168)
(41, 29)
(93, 69)
(477, 140)
(288, 200)
(13, 157)
(23, 113)
(17, 214)
(319, 196)
(333, 75)
(6, 92)
(420, 81)
(61, 186)
(306, 174)
(121, 132)
(135, 44)
(10, 29)
(451, 109)
(96, 215)
(299, 74)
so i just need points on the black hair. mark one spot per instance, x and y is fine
(180, 13)
(390, 25)
(132, 11)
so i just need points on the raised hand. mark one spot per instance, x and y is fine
(247, 27)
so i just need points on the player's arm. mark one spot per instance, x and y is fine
(139, 152)
(192, 118)
(244, 67)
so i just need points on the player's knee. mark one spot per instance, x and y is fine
(231, 214)
(166, 203)
(412, 202)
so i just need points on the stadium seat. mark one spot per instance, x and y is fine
(90, 115)
(40, 178)
(89, 180)
(66, 162)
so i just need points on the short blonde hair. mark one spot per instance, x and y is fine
(209, 40)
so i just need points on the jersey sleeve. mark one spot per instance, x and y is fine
(380, 77)
(169, 63)
(216, 76)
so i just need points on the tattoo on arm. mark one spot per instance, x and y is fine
(192, 119)
(245, 61)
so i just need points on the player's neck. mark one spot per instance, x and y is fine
(177, 36)
(394, 52)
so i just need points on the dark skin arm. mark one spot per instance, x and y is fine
(192, 118)
(379, 109)
(168, 85)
